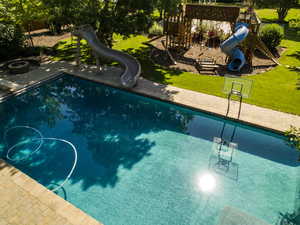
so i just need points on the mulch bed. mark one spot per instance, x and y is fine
(186, 59)
(44, 38)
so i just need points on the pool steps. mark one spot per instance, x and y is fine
(233, 216)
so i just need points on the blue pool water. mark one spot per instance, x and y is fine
(143, 161)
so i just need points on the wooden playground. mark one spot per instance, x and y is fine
(195, 36)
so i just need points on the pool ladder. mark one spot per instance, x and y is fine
(236, 90)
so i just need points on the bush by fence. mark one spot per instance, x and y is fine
(272, 35)
(11, 39)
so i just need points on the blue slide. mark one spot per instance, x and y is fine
(229, 47)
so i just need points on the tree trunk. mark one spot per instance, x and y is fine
(282, 13)
(29, 34)
(161, 14)
(105, 31)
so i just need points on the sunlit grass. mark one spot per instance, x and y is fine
(271, 14)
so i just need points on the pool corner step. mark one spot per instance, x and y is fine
(233, 216)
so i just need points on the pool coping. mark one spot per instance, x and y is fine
(251, 115)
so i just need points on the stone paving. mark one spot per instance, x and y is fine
(25, 202)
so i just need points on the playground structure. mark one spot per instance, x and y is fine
(239, 43)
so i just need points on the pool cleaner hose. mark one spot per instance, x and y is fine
(40, 140)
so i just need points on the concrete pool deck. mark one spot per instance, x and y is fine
(24, 201)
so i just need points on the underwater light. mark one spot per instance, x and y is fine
(207, 182)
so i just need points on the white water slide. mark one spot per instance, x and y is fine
(132, 67)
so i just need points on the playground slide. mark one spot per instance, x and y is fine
(230, 48)
(132, 66)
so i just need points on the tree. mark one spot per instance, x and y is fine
(123, 17)
(59, 13)
(166, 5)
(282, 6)
(22, 12)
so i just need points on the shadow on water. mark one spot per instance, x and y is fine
(108, 128)
(99, 140)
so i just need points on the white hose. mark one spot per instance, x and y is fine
(41, 139)
(20, 143)
(74, 163)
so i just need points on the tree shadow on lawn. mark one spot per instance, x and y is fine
(151, 70)
(297, 70)
(295, 55)
(291, 34)
(264, 20)
(69, 50)
(298, 81)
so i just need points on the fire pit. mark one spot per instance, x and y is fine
(19, 67)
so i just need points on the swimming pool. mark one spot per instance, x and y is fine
(142, 161)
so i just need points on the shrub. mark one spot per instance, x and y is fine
(293, 135)
(272, 35)
(11, 40)
(156, 29)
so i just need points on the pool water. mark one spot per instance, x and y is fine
(143, 162)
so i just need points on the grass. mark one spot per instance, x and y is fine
(278, 89)
(270, 15)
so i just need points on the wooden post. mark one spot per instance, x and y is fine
(78, 53)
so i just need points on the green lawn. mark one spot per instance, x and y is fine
(278, 89)
(270, 15)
